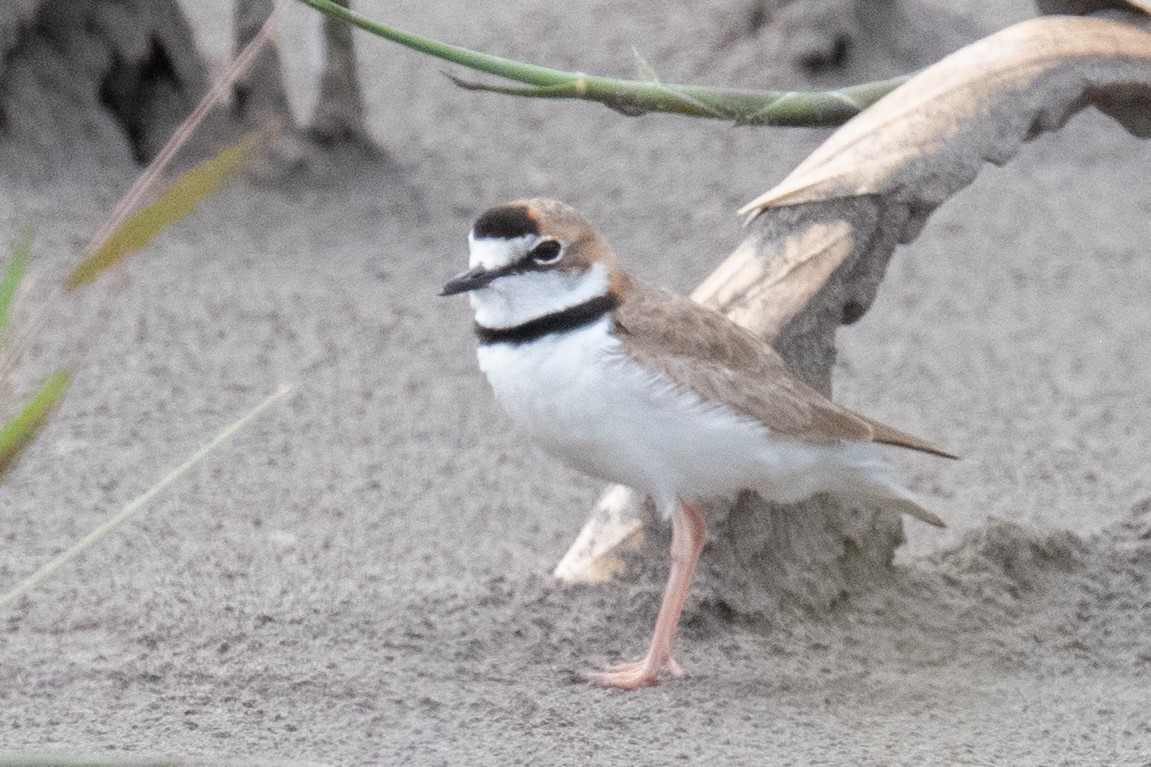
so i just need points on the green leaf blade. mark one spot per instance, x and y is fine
(13, 277)
(175, 204)
(20, 430)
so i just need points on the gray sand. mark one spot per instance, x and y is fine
(361, 577)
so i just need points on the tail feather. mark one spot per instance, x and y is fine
(887, 435)
(872, 478)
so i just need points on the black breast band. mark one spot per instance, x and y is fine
(557, 322)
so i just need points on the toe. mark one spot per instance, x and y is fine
(639, 673)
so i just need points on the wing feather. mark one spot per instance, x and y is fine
(702, 351)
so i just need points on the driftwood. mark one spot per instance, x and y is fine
(816, 251)
(112, 77)
(260, 98)
(338, 119)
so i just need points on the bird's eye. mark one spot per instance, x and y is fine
(547, 252)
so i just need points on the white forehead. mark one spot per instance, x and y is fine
(495, 252)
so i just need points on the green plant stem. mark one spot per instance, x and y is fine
(637, 97)
(134, 505)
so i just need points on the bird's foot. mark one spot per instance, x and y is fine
(639, 673)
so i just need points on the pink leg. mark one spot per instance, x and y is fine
(688, 533)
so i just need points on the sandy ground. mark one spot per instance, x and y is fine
(361, 577)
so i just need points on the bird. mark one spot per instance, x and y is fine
(638, 385)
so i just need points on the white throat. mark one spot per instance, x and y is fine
(518, 298)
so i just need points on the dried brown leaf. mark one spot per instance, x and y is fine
(884, 172)
(929, 137)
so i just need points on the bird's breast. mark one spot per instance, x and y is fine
(583, 399)
(552, 387)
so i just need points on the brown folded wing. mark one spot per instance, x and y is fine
(702, 351)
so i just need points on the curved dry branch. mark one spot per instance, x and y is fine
(822, 238)
(929, 138)
(922, 144)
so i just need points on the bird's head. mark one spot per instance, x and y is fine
(530, 258)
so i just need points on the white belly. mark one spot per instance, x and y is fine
(583, 400)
